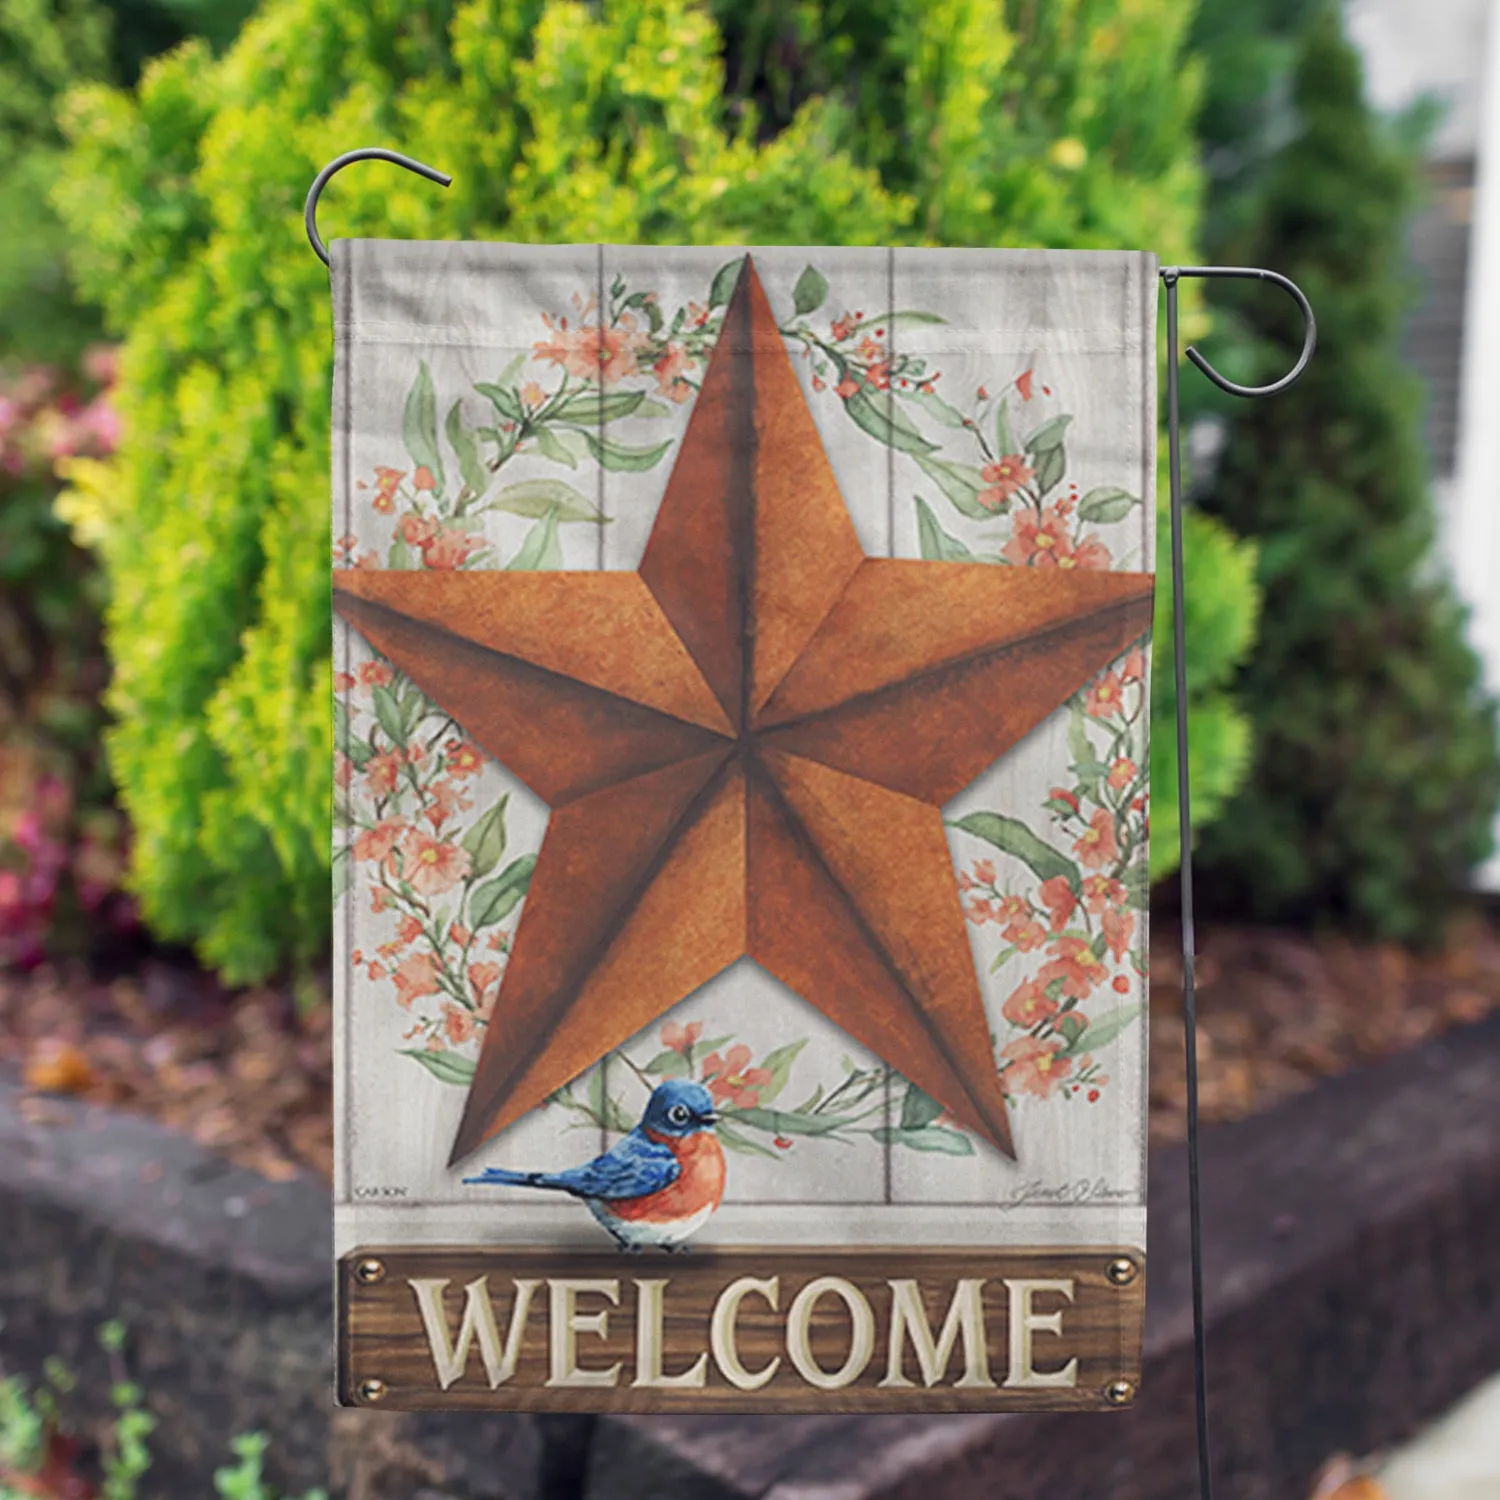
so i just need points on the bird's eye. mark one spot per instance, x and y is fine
(678, 1114)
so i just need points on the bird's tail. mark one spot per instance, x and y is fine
(515, 1179)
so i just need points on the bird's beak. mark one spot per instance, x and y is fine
(711, 1118)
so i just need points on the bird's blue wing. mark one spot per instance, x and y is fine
(634, 1168)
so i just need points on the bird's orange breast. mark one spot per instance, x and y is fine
(700, 1184)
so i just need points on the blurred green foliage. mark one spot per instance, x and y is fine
(900, 121)
(1375, 775)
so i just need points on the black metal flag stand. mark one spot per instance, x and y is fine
(1170, 277)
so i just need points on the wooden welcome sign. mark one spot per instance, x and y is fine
(741, 684)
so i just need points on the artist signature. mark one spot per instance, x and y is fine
(1081, 1190)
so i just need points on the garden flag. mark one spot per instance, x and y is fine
(741, 683)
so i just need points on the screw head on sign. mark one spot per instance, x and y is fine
(371, 1390)
(1121, 1271)
(1119, 1392)
(370, 1271)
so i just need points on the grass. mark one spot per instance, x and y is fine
(39, 1458)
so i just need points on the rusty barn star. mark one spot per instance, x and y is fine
(746, 745)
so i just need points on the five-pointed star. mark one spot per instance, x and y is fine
(745, 745)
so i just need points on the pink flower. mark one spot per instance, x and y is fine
(1133, 669)
(1027, 936)
(377, 843)
(1057, 896)
(1118, 927)
(450, 549)
(847, 387)
(681, 1038)
(414, 977)
(1097, 846)
(458, 1023)
(984, 871)
(1039, 541)
(591, 353)
(416, 531)
(463, 759)
(1101, 892)
(1106, 696)
(1121, 773)
(1023, 384)
(375, 674)
(445, 800)
(668, 370)
(481, 977)
(408, 929)
(1028, 1005)
(1075, 964)
(431, 866)
(1002, 479)
(731, 1082)
(980, 910)
(383, 772)
(1062, 794)
(1035, 1066)
(422, 478)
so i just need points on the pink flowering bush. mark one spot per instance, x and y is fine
(61, 841)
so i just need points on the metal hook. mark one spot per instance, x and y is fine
(364, 153)
(1171, 274)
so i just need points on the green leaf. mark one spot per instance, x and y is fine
(936, 544)
(779, 1065)
(935, 407)
(810, 291)
(651, 407)
(1137, 883)
(740, 1143)
(508, 375)
(603, 1108)
(341, 863)
(961, 483)
(1071, 1025)
(341, 725)
(484, 843)
(1051, 465)
(1005, 440)
(899, 316)
(1103, 1030)
(388, 715)
(1080, 747)
(785, 1122)
(539, 498)
(556, 446)
(541, 549)
(461, 440)
(623, 458)
(932, 1138)
(668, 1063)
(446, 1067)
(419, 424)
(496, 900)
(400, 557)
(918, 1110)
(1105, 504)
(589, 408)
(1049, 435)
(723, 282)
(885, 421)
(1011, 836)
(503, 399)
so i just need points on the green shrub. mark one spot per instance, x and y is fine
(560, 122)
(1375, 774)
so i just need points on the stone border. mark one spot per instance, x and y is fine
(1351, 1279)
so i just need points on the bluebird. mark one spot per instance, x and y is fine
(659, 1185)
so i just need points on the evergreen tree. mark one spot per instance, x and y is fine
(1375, 775)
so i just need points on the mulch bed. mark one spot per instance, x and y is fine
(249, 1076)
